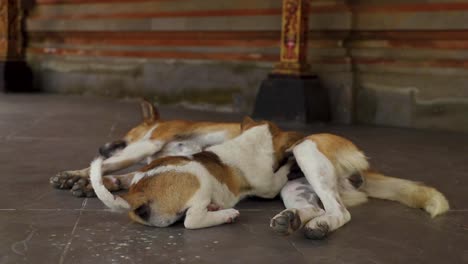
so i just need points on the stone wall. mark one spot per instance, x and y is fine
(388, 62)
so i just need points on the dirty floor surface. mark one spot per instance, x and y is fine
(41, 135)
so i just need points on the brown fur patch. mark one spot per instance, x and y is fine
(283, 141)
(222, 172)
(138, 132)
(233, 129)
(170, 190)
(330, 145)
(169, 130)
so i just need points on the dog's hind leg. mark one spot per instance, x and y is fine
(320, 173)
(302, 205)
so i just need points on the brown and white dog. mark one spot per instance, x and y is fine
(218, 177)
(316, 202)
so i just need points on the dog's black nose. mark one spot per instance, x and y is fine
(356, 180)
(110, 148)
(144, 212)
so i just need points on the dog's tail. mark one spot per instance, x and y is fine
(412, 194)
(114, 202)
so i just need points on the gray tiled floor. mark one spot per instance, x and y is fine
(41, 135)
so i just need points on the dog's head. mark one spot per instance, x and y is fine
(282, 140)
(161, 200)
(150, 119)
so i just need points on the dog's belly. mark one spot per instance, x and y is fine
(299, 193)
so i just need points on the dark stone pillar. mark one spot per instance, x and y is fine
(15, 75)
(291, 92)
(292, 98)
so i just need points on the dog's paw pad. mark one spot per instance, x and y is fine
(319, 232)
(285, 222)
(63, 180)
(83, 188)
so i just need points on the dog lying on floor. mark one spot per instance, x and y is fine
(299, 196)
(218, 177)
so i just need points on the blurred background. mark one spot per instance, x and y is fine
(386, 62)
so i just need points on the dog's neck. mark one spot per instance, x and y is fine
(251, 152)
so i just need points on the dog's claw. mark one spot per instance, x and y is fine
(54, 181)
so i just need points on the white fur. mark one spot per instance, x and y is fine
(298, 193)
(252, 153)
(349, 161)
(137, 177)
(148, 134)
(180, 148)
(320, 173)
(132, 154)
(110, 200)
(212, 138)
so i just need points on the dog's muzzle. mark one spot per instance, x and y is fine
(111, 148)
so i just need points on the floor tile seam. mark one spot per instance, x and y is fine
(67, 247)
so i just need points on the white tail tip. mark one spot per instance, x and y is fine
(114, 202)
(437, 204)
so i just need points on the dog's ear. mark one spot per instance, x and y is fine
(149, 112)
(247, 123)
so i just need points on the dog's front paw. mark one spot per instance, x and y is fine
(286, 222)
(83, 188)
(64, 180)
(230, 215)
(319, 231)
(320, 227)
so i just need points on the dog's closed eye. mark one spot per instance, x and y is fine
(144, 212)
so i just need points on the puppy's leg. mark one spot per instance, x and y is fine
(129, 156)
(200, 217)
(320, 173)
(302, 205)
(83, 187)
(132, 154)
